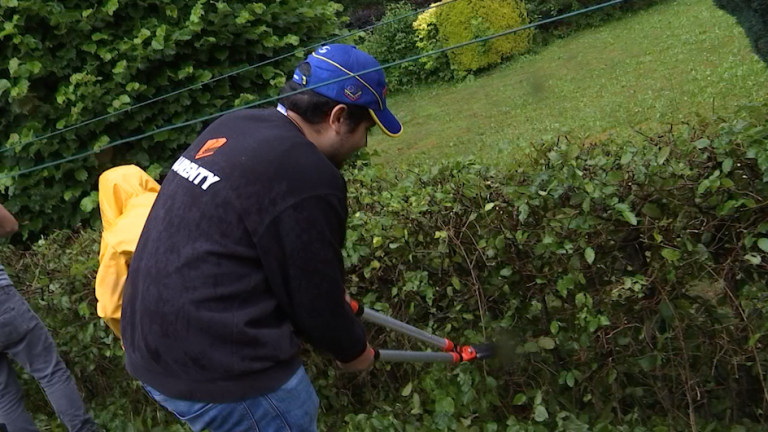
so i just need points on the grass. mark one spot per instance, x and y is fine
(660, 65)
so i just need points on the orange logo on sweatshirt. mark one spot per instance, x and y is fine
(210, 147)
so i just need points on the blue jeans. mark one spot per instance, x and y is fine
(24, 338)
(291, 408)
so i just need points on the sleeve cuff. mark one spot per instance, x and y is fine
(353, 352)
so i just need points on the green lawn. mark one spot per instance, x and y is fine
(657, 66)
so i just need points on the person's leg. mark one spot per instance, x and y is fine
(12, 329)
(12, 412)
(36, 352)
(291, 408)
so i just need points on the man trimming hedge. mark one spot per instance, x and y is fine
(241, 253)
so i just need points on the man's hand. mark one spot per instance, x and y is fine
(360, 364)
(8, 224)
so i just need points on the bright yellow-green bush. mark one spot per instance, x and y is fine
(470, 19)
(424, 26)
(427, 39)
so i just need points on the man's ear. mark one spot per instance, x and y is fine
(336, 119)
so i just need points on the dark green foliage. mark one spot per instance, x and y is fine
(74, 60)
(628, 280)
(544, 9)
(396, 41)
(752, 15)
(366, 12)
(441, 27)
(57, 279)
(363, 13)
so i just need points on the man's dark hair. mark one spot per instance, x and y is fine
(315, 108)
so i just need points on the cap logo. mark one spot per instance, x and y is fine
(301, 79)
(324, 49)
(352, 92)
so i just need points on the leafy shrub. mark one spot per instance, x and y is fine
(471, 19)
(444, 26)
(366, 16)
(427, 40)
(366, 12)
(76, 60)
(627, 281)
(396, 41)
(406, 38)
(752, 15)
(618, 270)
(57, 277)
(545, 9)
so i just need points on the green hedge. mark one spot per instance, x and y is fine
(626, 279)
(72, 61)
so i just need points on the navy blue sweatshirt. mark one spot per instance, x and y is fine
(240, 254)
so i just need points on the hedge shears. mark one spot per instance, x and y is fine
(451, 353)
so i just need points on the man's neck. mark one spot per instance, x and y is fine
(309, 131)
(298, 121)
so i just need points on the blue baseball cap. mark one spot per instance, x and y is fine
(335, 61)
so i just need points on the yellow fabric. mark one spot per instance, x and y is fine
(126, 195)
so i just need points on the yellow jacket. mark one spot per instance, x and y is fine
(126, 195)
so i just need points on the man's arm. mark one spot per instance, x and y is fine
(301, 252)
(8, 224)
